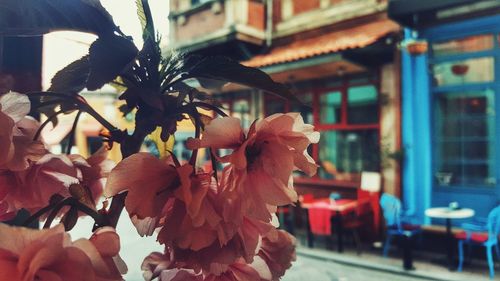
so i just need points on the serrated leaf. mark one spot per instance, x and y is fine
(109, 56)
(72, 78)
(146, 19)
(43, 16)
(164, 148)
(225, 69)
(140, 14)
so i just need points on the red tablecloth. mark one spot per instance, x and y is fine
(320, 212)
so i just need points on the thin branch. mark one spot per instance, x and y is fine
(53, 214)
(210, 107)
(99, 219)
(72, 132)
(45, 123)
(38, 214)
(198, 126)
(82, 105)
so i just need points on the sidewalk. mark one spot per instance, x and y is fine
(425, 266)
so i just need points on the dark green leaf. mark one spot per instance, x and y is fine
(224, 69)
(34, 17)
(73, 78)
(146, 19)
(70, 80)
(109, 56)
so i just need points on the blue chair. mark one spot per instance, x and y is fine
(394, 221)
(485, 235)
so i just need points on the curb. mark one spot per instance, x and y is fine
(358, 262)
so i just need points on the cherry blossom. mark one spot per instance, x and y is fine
(17, 146)
(49, 254)
(263, 159)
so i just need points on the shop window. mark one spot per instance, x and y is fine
(464, 71)
(464, 132)
(343, 155)
(465, 138)
(241, 110)
(274, 105)
(305, 109)
(330, 107)
(362, 105)
(347, 118)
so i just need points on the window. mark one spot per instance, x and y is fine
(463, 76)
(198, 2)
(465, 137)
(241, 110)
(347, 117)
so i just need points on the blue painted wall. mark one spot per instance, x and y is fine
(416, 134)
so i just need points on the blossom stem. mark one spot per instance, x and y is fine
(99, 219)
(209, 107)
(45, 123)
(36, 215)
(198, 125)
(72, 132)
(81, 104)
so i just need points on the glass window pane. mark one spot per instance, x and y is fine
(463, 72)
(306, 109)
(241, 110)
(362, 105)
(463, 45)
(330, 106)
(465, 138)
(274, 105)
(344, 154)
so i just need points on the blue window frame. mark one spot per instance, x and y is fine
(464, 87)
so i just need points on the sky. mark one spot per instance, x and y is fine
(63, 47)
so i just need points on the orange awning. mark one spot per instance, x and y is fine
(356, 37)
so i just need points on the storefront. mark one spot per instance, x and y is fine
(450, 105)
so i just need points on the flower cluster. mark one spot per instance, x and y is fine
(30, 175)
(219, 229)
(47, 255)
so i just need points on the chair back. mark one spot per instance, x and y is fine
(391, 208)
(494, 225)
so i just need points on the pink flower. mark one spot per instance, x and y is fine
(32, 188)
(46, 255)
(147, 179)
(13, 108)
(17, 146)
(102, 248)
(262, 162)
(94, 172)
(67, 176)
(161, 266)
(278, 252)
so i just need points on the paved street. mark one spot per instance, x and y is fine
(135, 248)
(311, 269)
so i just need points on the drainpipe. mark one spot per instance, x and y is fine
(269, 23)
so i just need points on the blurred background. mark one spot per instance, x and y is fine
(402, 89)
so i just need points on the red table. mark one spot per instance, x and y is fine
(340, 208)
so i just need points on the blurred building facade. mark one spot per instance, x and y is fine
(339, 56)
(450, 87)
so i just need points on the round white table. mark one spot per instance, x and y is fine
(449, 214)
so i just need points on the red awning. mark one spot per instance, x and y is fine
(356, 37)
